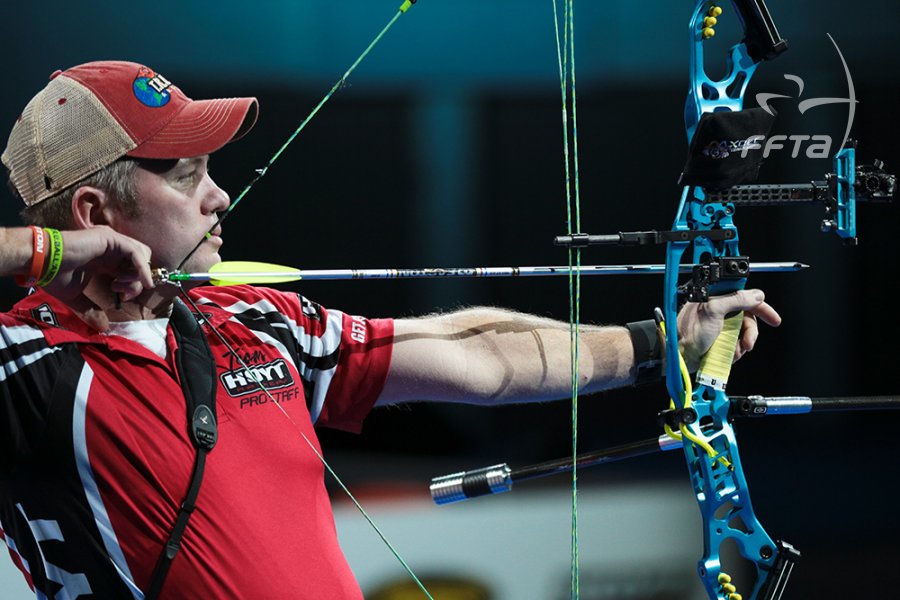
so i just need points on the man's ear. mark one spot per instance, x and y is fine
(90, 207)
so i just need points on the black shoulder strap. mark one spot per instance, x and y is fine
(197, 372)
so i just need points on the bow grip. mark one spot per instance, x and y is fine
(715, 365)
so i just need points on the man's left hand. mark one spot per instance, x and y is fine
(699, 324)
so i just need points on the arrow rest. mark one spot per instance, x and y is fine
(706, 276)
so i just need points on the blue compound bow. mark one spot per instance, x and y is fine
(701, 415)
(699, 420)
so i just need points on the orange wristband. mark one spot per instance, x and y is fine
(39, 255)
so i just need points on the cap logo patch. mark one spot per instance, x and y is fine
(151, 89)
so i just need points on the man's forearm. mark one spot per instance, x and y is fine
(494, 356)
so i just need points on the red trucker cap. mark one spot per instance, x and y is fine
(91, 115)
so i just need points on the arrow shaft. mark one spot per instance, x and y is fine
(436, 273)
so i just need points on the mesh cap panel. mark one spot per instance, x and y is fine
(64, 135)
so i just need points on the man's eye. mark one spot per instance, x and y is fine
(188, 176)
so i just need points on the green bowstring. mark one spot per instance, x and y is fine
(260, 173)
(565, 53)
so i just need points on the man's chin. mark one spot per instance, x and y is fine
(201, 264)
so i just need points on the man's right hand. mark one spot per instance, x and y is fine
(102, 251)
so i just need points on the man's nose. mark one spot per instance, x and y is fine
(217, 198)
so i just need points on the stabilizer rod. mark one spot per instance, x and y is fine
(500, 478)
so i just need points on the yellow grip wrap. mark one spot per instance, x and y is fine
(406, 5)
(715, 366)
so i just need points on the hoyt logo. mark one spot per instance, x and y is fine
(274, 375)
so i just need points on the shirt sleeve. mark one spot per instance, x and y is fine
(342, 359)
(28, 370)
(362, 368)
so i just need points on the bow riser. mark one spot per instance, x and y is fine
(724, 500)
(708, 95)
(761, 42)
(715, 471)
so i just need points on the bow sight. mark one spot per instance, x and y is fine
(839, 192)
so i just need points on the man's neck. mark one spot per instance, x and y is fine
(99, 306)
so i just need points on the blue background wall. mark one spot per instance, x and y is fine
(444, 150)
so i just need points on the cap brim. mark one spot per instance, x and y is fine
(202, 127)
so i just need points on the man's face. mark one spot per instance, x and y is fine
(179, 203)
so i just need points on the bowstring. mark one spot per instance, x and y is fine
(565, 53)
(260, 173)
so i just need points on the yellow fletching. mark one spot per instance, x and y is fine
(710, 22)
(708, 32)
(715, 11)
(237, 272)
(724, 578)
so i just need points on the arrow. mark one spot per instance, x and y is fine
(246, 272)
